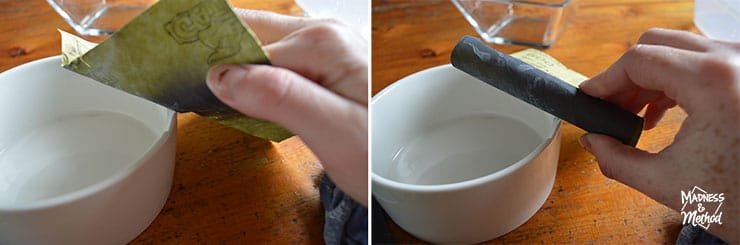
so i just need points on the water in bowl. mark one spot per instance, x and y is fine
(463, 149)
(69, 153)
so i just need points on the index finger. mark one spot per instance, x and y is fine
(673, 71)
(677, 39)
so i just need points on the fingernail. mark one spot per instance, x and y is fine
(215, 76)
(583, 140)
(224, 81)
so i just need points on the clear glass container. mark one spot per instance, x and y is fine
(355, 13)
(536, 23)
(98, 17)
(718, 19)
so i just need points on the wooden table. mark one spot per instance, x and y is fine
(228, 187)
(584, 206)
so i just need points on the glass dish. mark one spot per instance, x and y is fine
(98, 17)
(718, 19)
(536, 23)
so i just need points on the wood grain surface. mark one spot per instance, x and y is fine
(229, 188)
(584, 206)
(233, 188)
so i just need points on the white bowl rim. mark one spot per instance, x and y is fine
(378, 179)
(100, 186)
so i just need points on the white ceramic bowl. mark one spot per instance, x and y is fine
(457, 161)
(80, 162)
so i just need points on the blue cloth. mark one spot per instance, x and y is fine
(345, 221)
(696, 235)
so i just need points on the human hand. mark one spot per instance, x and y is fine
(316, 88)
(702, 76)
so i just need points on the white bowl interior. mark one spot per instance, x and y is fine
(62, 132)
(442, 126)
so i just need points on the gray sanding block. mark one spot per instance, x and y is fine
(545, 91)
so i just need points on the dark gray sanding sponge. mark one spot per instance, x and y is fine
(545, 91)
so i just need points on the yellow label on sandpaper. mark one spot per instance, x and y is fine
(550, 65)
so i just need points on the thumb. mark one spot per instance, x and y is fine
(333, 127)
(275, 94)
(629, 165)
